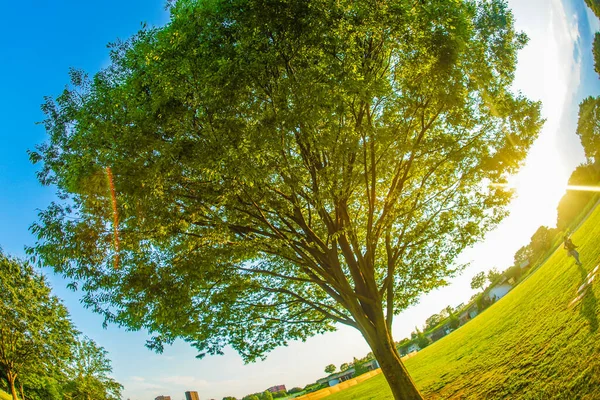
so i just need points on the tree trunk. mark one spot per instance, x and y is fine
(396, 374)
(11, 383)
(21, 387)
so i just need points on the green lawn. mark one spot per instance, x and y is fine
(529, 345)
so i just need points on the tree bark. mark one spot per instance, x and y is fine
(21, 389)
(11, 383)
(396, 374)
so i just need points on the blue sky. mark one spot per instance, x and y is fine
(40, 40)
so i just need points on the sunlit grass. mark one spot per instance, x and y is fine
(529, 345)
(4, 395)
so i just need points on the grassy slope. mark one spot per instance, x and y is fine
(528, 345)
(4, 395)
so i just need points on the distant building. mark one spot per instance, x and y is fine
(499, 290)
(334, 379)
(439, 333)
(192, 396)
(163, 398)
(277, 388)
(412, 347)
(468, 314)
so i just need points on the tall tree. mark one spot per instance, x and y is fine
(90, 373)
(36, 333)
(276, 167)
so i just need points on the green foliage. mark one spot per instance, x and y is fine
(266, 395)
(36, 333)
(359, 367)
(432, 321)
(588, 126)
(541, 241)
(454, 321)
(422, 340)
(90, 373)
(251, 397)
(330, 369)
(313, 387)
(280, 394)
(283, 166)
(229, 398)
(594, 5)
(483, 302)
(509, 343)
(596, 52)
(478, 281)
(295, 390)
(574, 201)
(493, 275)
(345, 367)
(513, 272)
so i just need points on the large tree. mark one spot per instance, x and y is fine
(36, 333)
(257, 171)
(90, 373)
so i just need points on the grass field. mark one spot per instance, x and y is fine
(528, 345)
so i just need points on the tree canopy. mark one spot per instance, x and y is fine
(588, 126)
(36, 333)
(256, 171)
(90, 373)
(478, 281)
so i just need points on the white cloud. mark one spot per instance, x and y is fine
(188, 381)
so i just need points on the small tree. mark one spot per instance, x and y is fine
(422, 340)
(478, 281)
(345, 367)
(36, 333)
(330, 369)
(493, 275)
(454, 321)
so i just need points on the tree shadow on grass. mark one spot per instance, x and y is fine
(589, 302)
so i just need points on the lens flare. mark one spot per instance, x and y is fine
(111, 185)
(578, 188)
